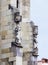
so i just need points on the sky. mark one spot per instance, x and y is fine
(39, 14)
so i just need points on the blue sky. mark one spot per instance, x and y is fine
(39, 14)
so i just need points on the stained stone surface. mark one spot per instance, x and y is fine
(27, 58)
(26, 8)
(6, 32)
(26, 36)
(7, 26)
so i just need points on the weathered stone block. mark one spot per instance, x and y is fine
(3, 34)
(26, 8)
(26, 2)
(2, 63)
(6, 55)
(12, 59)
(7, 50)
(5, 45)
(6, 41)
(6, 13)
(25, 63)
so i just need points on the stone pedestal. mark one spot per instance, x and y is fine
(19, 54)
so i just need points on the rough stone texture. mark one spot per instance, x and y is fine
(7, 27)
(27, 36)
(27, 58)
(6, 32)
(25, 10)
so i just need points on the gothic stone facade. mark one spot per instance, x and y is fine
(9, 55)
